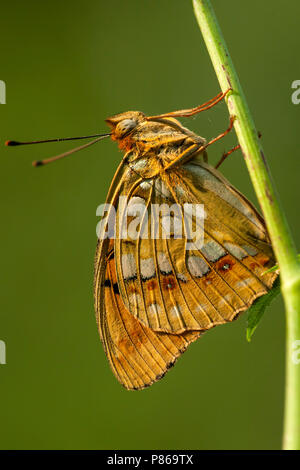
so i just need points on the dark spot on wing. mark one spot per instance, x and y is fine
(169, 283)
(225, 264)
(152, 285)
(116, 288)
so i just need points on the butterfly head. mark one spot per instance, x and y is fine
(122, 125)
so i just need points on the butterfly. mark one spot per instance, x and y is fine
(153, 297)
(158, 290)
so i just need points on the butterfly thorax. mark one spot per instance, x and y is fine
(151, 144)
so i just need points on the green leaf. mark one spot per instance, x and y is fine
(257, 310)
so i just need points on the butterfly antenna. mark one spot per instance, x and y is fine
(12, 143)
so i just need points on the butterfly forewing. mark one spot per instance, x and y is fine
(138, 355)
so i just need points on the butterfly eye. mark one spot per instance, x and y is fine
(125, 126)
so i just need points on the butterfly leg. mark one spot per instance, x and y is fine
(186, 155)
(220, 136)
(191, 111)
(195, 149)
(225, 155)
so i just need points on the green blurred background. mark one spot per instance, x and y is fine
(68, 65)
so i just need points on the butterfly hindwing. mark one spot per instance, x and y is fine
(169, 288)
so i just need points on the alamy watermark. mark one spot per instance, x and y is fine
(135, 220)
(2, 352)
(2, 92)
(296, 352)
(296, 94)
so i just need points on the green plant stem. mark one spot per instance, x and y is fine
(281, 238)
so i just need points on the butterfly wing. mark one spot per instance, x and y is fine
(169, 288)
(138, 356)
(154, 295)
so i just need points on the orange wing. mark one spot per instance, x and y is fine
(152, 296)
(171, 289)
(138, 356)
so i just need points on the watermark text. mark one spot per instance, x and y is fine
(2, 352)
(296, 352)
(296, 94)
(2, 92)
(134, 220)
